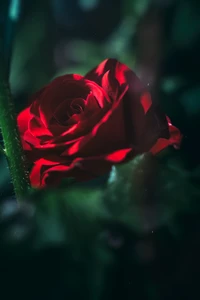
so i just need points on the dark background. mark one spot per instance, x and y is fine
(160, 40)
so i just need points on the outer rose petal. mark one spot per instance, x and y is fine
(116, 69)
(118, 156)
(48, 173)
(146, 101)
(174, 139)
(23, 119)
(175, 134)
(160, 145)
(36, 128)
(37, 172)
(117, 74)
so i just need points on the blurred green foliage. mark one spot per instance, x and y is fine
(89, 243)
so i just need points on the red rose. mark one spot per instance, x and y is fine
(79, 126)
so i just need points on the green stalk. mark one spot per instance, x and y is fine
(12, 143)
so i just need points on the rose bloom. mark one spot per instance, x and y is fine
(79, 126)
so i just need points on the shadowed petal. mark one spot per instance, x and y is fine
(23, 120)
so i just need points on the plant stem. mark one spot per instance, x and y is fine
(12, 143)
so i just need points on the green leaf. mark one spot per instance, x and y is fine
(69, 215)
(150, 191)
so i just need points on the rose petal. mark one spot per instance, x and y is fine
(112, 65)
(23, 119)
(36, 128)
(100, 95)
(37, 172)
(118, 156)
(119, 74)
(121, 71)
(99, 70)
(175, 139)
(97, 74)
(110, 130)
(160, 145)
(43, 174)
(175, 134)
(146, 101)
(61, 88)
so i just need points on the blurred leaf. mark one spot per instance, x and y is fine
(136, 8)
(186, 25)
(190, 100)
(154, 191)
(68, 216)
(26, 68)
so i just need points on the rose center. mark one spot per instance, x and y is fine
(68, 111)
(75, 109)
